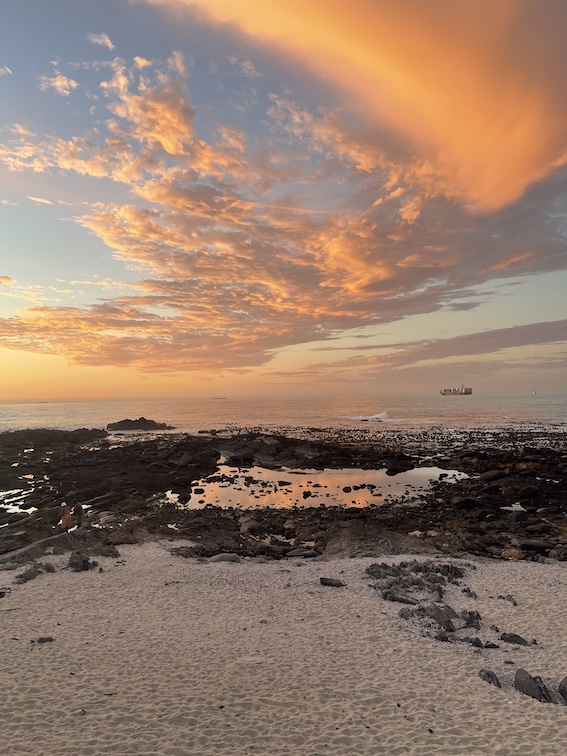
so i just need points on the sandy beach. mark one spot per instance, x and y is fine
(157, 654)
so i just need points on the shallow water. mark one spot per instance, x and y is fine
(253, 487)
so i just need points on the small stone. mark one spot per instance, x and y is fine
(308, 553)
(490, 677)
(225, 557)
(45, 639)
(332, 582)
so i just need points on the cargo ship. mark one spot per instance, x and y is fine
(459, 391)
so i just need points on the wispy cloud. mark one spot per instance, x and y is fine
(60, 83)
(5, 71)
(40, 200)
(100, 39)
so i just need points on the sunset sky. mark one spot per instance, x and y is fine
(284, 197)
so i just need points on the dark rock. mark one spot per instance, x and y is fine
(443, 615)
(225, 557)
(509, 598)
(535, 545)
(30, 574)
(490, 677)
(491, 475)
(540, 528)
(490, 644)
(140, 424)
(398, 597)
(309, 553)
(332, 582)
(532, 686)
(465, 503)
(562, 689)
(514, 638)
(80, 562)
(471, 618)
(472, 641)
(527, 492)
(45, 639)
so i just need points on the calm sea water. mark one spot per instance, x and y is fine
(192, 415)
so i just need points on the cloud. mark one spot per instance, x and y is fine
(477, 88)
(6, 280)
(246, 67)
(63, 85)
(8, 202)
(41, 200)
(318, 224)
(5, 71)
(100, 39)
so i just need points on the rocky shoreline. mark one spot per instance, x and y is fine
(513, 504)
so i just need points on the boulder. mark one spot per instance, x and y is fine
(514, 638)
(80, 562)
(532, 686)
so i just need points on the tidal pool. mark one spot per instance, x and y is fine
(254, 487)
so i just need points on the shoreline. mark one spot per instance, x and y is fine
(513, 504)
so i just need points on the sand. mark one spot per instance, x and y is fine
(159, 654)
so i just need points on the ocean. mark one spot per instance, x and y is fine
(542, 411)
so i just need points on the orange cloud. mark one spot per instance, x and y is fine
(477, 87)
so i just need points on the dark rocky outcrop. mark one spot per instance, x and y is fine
(141, 424)
(120, 485)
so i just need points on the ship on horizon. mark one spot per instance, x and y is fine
(458, 391)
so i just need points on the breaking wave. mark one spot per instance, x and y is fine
(380, 418)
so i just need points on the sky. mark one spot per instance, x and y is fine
(319, 197)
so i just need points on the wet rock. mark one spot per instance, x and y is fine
(140, 424)
(490, 677)
(532, 686)
(491, 475)
(535, 545)
(465, 503)
(527, 492)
